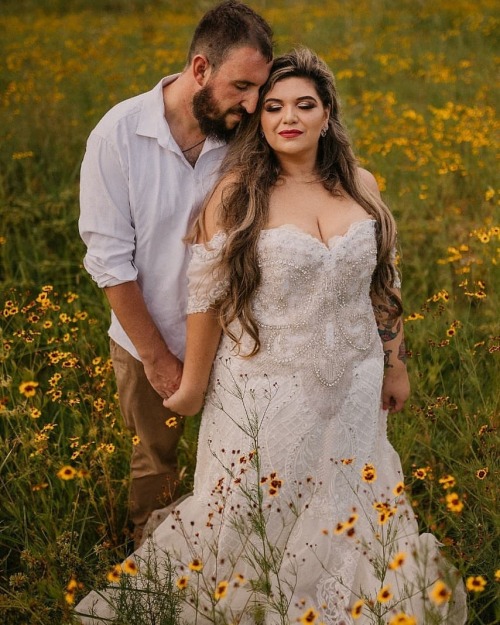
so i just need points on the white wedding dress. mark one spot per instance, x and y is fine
(296, 502)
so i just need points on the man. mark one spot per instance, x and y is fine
(148, 165)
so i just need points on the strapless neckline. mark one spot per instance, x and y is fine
(330, 243)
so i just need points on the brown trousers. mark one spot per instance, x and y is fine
(153, 466)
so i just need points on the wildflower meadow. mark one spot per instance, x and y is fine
(417, 85)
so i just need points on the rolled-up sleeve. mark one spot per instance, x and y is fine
(106, 224)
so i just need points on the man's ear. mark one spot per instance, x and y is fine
(201, 69)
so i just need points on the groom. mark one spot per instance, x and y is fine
(148, 165)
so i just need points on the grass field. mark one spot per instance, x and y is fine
(417, 81)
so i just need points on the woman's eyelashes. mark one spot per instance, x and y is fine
(274, 108)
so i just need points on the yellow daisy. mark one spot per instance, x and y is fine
(308, 617)
(475, 583)
(66, 473)
(357, 609)
(368, 473)
(114, 574)
(195, 565)
(453, 503)
(397, 561)
(440, 593)
(182, 582)
(28, 389)
(130, 567)
(384, 594)
(221, 590)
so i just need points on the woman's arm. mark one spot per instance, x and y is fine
(396, 385)
(203, 336)
(203, 330)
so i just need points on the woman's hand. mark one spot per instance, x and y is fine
(395, 388)
(185, 402)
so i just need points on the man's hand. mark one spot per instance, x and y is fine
(162, 368)
(164, 371)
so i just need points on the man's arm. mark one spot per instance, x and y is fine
(162, 368)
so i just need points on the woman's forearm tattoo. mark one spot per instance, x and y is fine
(402, 351)
(388, 332)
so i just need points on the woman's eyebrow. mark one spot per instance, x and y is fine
(303, 97)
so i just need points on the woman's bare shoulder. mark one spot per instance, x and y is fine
(211, 210)
(368, 180)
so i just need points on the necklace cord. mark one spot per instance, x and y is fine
(194, 146)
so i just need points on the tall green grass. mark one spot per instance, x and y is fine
(417, 85)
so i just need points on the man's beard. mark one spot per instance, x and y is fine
(210, 119)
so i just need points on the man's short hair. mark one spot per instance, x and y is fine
(229, 25)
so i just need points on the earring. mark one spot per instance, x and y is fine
(261, 133)
(324, 131)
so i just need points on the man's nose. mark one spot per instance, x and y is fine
(250, 102)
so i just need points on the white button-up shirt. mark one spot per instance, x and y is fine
(138, 198)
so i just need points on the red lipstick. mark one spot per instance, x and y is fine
(289, 134)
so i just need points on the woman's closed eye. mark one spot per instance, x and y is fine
(273, 108)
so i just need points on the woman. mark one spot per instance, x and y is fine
(298, 512)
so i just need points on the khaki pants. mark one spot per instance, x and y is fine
(153, 466)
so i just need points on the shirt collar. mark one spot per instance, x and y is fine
(152, 122)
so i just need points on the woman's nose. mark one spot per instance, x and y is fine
(289, 115)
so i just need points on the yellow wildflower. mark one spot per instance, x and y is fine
(384, 594)
(221, 590)
(28, 389)
(309, 617)
(66, 473)
(182, 582)
(357, 609)
(414, 317)
(440, 593)
(397, 561)
(352, 519)
(399, 489)
(475, 583)
(130, 567)
(368, 473)
(114, 574)
(195, 565)
(453, 503)
(421, 473)
(447, 481)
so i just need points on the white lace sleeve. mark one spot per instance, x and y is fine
(205, 284)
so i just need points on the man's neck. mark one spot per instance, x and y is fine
(177, 99)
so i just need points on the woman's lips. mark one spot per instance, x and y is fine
(290, 133)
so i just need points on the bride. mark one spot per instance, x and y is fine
(295, 348)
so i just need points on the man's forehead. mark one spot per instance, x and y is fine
(245, 64)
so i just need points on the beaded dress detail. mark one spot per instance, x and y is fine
(293, 457)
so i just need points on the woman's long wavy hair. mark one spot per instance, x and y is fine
(253, 169)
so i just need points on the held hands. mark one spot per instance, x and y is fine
(395, 388)
(185, 402)
(164, 372)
